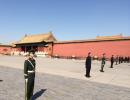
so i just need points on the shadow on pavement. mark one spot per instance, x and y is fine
(1, 80)
(38, 94)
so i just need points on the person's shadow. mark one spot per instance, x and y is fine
(38, 94)
(1, 80)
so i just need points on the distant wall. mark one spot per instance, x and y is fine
(5, 49)
(80, 49)
(121, 47)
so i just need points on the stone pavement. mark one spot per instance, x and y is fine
(53, 87)
(119, 75)
(64, 79)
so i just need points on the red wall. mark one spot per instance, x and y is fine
(96, 48)
(15, 49)
(5, 50)
(40, 48)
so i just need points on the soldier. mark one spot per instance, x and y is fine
(122, 59)
(117, 59)
(88, 65)
(128, 59)
(29, 74)
(125, 59)
(112, 61)
(103, 62)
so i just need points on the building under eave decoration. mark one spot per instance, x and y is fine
(41, 44)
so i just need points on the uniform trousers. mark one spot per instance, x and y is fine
(29, 86)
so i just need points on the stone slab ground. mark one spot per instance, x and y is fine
(58, 79)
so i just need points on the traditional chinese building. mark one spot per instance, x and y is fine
(41, 44)
(46, 45)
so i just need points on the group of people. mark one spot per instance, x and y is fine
(29, 70)
(117, 60)
(122, 59)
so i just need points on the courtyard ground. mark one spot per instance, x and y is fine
(61, 79)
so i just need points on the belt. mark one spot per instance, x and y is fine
(31, 71)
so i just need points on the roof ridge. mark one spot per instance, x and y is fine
(39, 34)
(47, 37)
(110, 37)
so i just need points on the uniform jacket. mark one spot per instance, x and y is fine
(28, 67)
(112, 59)
(103, 61)
(88, 61)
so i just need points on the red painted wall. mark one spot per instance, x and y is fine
(96, 48)
(40, 48)
(5, 50)
(15, 49)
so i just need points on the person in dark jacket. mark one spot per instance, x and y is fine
(88, 65)
(128, 59)
(119, 59)
(112, 61)
(122, 59)
(103, 62)
(125, 59)
(29, 75)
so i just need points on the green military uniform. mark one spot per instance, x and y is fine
(102, 64)
(29, 74)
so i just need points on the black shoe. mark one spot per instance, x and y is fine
(88, 76)
(101, 71)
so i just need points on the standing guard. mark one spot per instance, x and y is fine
(88, 65)
(125, 60)
(103, 63)
(128, 59)
(29, 74)
(112, 61)
(122, 59)
(119, 59)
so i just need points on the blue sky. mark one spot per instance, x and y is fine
(67, 19)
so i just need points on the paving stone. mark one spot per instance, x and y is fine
(58, 87)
